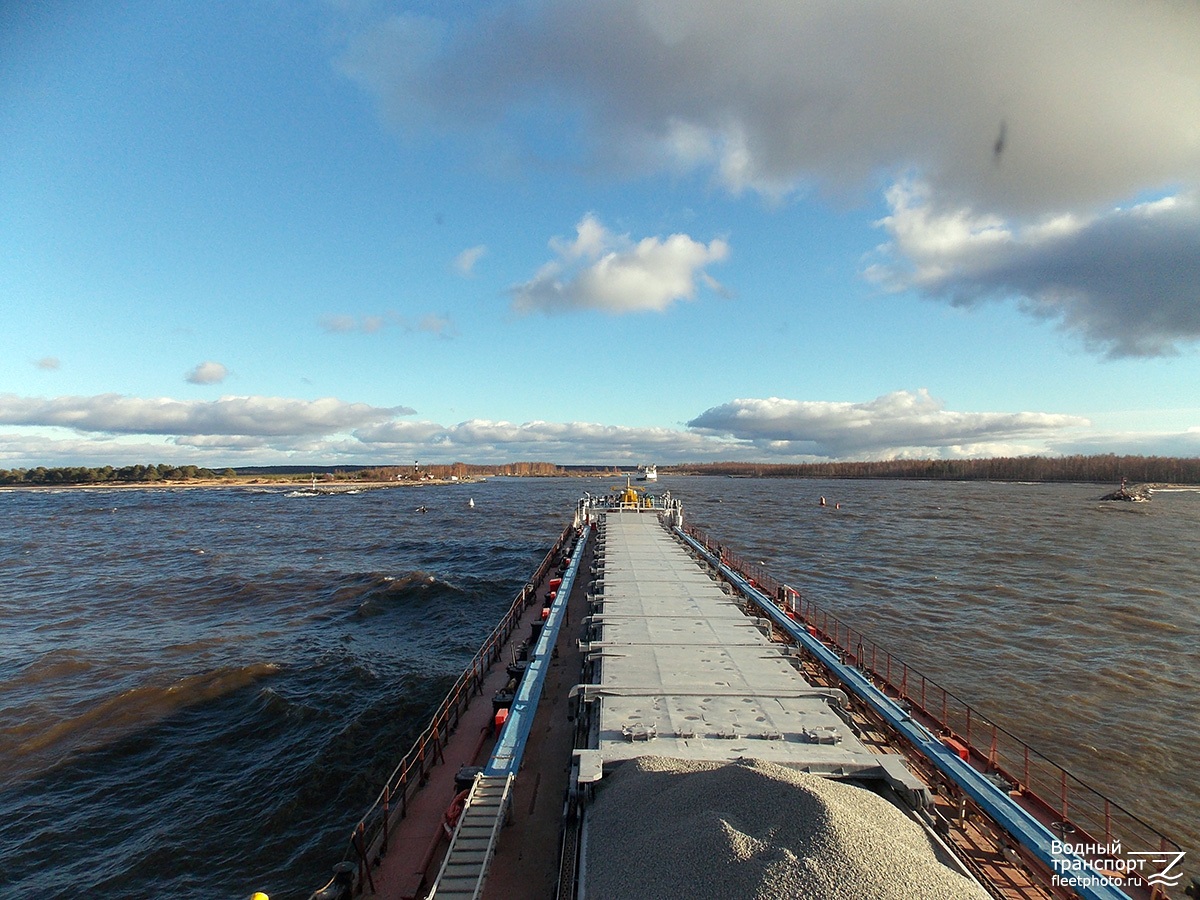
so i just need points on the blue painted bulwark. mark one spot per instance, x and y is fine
(506, 757)
(1023, 827)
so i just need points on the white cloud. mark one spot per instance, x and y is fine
(484, 440)
(110, 429)
(261, 416)
(48, 363)
(207, 373)
(600, 270)
(1015, 119)
(903, 423)
(1126, 280)
(465, 261)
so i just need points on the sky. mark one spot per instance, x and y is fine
(264, 232)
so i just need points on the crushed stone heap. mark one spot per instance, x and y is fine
(661, 827)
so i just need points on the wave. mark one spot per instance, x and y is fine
(132, 710)
(374, 594)
(55, 666)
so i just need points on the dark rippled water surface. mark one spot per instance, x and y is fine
(201, 690)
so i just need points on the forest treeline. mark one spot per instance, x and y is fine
(1100, 468)
(137, 474)
(162, 472)
(459, 470)
(1106, 468)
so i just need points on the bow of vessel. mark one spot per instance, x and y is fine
(651, 718)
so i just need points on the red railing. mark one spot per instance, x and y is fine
(1079, 812)
(369, 837)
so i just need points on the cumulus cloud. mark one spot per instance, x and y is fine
(903, 423)
(613, 273)
(207, 373)
(48, 363)
(465, 261)
(260, 416)
(1013, 118)
(1127, 279)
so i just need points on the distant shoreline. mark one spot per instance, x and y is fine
(328, 487)
(296, 482)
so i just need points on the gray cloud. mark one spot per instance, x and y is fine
(902, 423)
(207, 373)
(1127, 280)
(1011, 115)
(366, 324)
(432, 323)
(260, 416)
(775, 95)
(601, 270)
(48, 363)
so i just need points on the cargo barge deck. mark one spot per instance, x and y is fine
(640, 647)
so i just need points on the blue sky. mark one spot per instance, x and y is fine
(349, 232)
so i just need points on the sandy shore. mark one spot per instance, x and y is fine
(281, 482)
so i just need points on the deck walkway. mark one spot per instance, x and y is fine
(684, 672)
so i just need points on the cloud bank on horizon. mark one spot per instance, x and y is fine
(233, 430)
(1019, 143)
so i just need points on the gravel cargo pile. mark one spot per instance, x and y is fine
(662, 827)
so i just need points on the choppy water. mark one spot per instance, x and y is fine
(200, 690)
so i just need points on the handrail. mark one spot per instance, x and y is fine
(369, 836)
(1083, 815)
(510, 745)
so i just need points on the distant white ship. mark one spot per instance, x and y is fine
(647, 473)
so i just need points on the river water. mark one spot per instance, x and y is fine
(201, 690)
